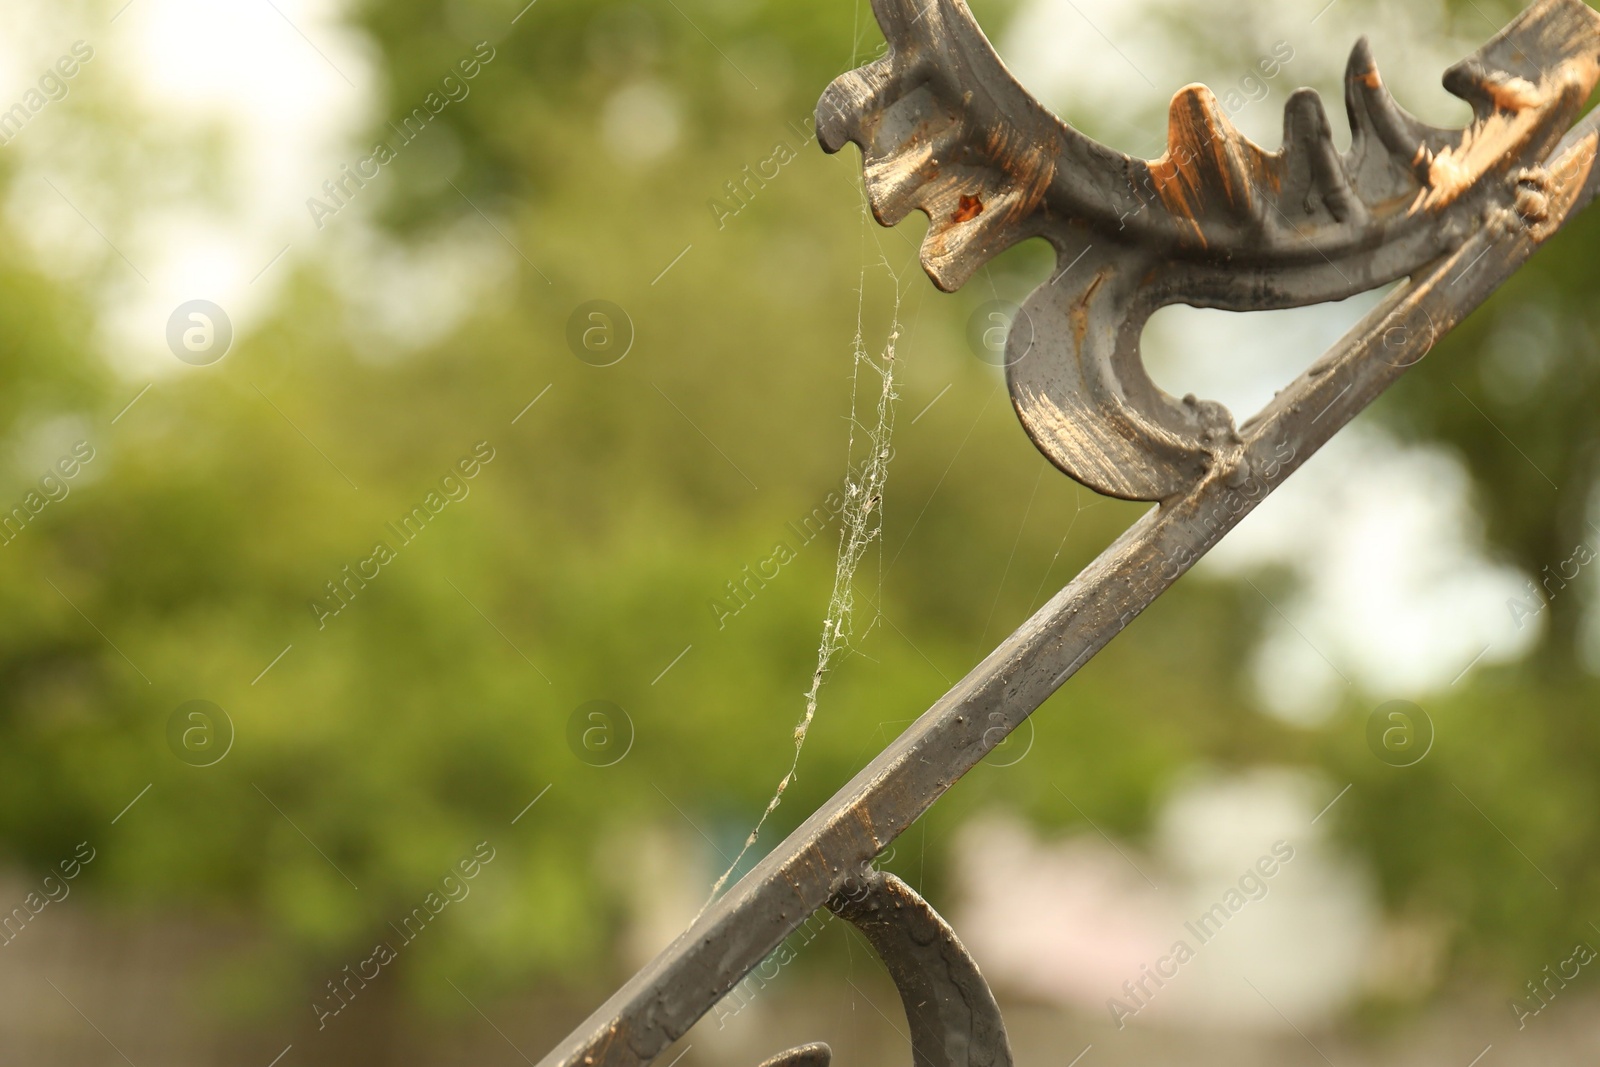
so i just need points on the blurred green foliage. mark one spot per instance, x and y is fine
(414, 725)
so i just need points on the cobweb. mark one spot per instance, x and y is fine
(862, 527)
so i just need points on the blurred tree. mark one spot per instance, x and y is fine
(594, 549)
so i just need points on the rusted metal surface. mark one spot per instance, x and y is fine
(1217, 221)
(935, 117)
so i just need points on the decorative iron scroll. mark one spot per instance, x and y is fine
(1215, 222)
(953, 1015)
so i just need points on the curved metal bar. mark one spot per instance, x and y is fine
(1217, 221)
(954, 1019)
(815, 1054)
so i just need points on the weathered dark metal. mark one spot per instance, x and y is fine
(953, 1015)
(948, 131)
(954, 1018)
(815, 1054)
(1215, 222)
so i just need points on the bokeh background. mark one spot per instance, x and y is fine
(190, 883)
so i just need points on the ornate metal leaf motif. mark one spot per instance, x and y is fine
(1217, 221)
